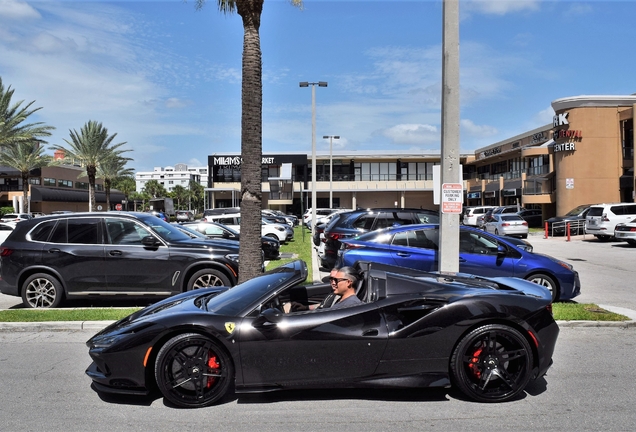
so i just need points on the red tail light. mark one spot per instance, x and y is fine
(4, 251)
(525, 223)
(347, 246)
(336, 236)
(505, 224)
(605, 218)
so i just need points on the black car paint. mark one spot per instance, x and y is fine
(402, 339)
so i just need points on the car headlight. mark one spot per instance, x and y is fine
(106, 341)
(280, 228)
(232, 257)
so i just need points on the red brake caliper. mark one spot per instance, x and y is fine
(212, 364)
(473, 364)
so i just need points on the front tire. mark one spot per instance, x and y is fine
(545, 281)
(492, 363)
(193, 371)
(43, 291)
(207, 278)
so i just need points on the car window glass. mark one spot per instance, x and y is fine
(473, 242)
(364, 222)
(511, 217)
(384, 220)
(84, 231)
(422, 239)
(59, 233)
(596, 211)
(42, 231)
(213, 230)
(427, 218)
(125, 232)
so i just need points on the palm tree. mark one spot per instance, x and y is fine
(251, 130)
(126, 185)
(91, 147)
(25, 156)
(181, 195)
(154, 189)
(111, 169)
(12, 130)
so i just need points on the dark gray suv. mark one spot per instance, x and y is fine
(50, 258)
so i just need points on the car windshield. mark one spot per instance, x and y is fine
(511, 217)
(235, 300)
(576, 211)
(164, 229)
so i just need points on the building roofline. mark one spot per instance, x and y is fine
(593, 101)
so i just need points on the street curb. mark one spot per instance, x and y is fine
(96, 326)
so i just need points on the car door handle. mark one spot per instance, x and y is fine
(54, 250)
(115, 253)
(403, 254)
(461, 259)
(372, 332)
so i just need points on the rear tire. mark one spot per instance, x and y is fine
(41, 290)
(492, 363)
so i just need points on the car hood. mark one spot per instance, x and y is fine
(178, 304)
(563, 218)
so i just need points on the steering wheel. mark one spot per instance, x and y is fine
(275, 303)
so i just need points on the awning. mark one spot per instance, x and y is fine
(40, 194)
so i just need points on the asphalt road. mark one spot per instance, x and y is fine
(589, 388)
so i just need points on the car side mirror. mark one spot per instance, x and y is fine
(501, 250)
(268, 318)
(150, 241)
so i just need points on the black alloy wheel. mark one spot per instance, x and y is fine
(193, 371)
(492, 363)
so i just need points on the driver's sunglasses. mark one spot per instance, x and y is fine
(336, 280)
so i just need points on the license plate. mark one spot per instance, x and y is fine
(592, 222)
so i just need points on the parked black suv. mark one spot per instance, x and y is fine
(353, 223)
(76, 255)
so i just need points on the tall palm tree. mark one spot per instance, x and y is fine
(12, 130)
(154, 189)
(111, 169)
(180, 195)
(25, 156)
(251, 130)
(91, 147)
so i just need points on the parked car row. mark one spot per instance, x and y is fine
(480, 253)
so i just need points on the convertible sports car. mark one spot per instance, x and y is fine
(487, 336)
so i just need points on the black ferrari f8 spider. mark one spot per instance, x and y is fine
(487, 336)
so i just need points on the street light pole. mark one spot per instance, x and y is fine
(331, 138)
(313, 146)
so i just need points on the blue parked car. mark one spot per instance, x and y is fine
(480, 253)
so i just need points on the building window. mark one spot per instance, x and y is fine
(49, 181)
(34, 180)
(65, 183)
(81, 185)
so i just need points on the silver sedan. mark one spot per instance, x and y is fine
(507, 224)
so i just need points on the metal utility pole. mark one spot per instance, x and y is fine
(331, 138)
(313, 146)
(450, 166)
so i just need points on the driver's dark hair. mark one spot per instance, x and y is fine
(350, 273)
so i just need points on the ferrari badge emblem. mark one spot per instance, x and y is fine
(229, 326)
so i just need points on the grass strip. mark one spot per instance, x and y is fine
(562, 311)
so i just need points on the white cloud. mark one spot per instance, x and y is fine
(412, 134)
(17, 10)
(478, 131)
(544, 116)
(499, 7)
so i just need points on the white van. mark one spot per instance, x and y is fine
(602, 218)
(472, 213)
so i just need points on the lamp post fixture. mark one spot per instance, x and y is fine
(313, 146)
(331, 138)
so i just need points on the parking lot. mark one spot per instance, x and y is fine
(606, 269)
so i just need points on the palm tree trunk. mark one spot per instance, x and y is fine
(91, 171)
(251, 140)
(25, 193)
(107, 192)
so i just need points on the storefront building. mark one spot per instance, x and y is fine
(343, 180)
(586, 156)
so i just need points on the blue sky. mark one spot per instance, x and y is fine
(167, 79)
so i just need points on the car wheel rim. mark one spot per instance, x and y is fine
(495, 365)
(41, 293)
(193, 372)
(207, 280)
(543, 282)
